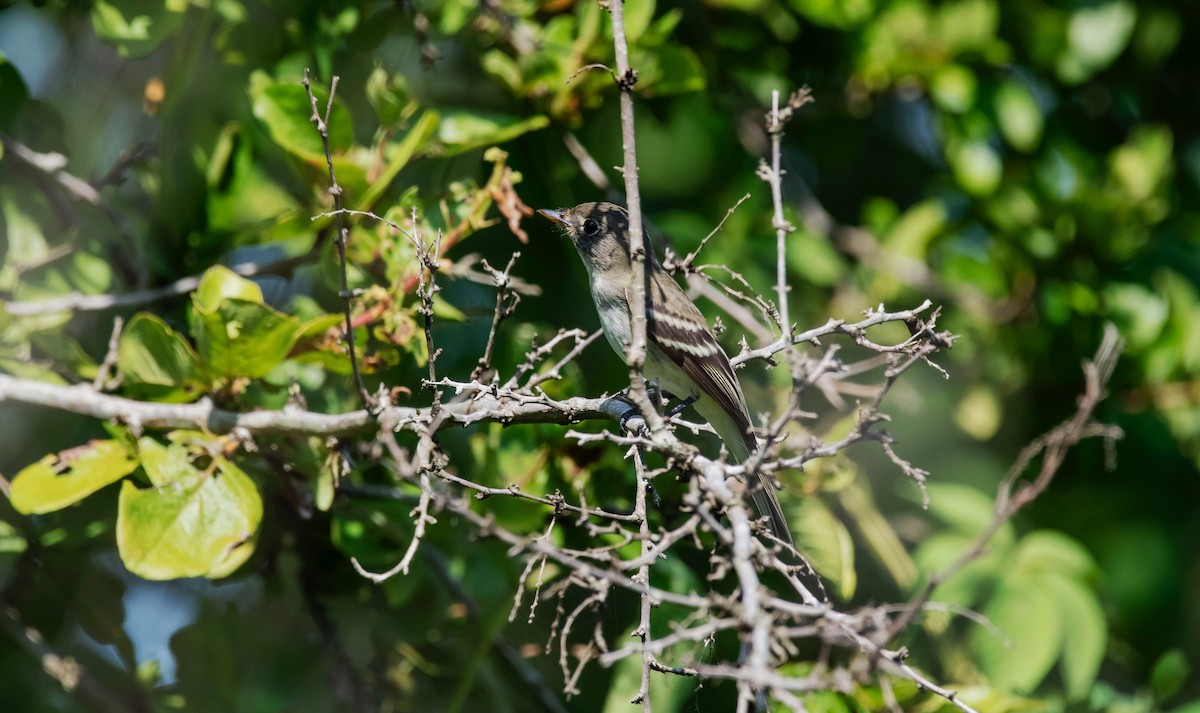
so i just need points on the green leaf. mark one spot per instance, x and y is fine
(464, 130)
(155, 359)
(911, 233)
(241, 195)
(976, 167)
(443, 310)
(201, 524)
(826, 542)
(962, 507)
(637, 16)
(1054, 552)
(835, 13)
(1096, 34)
(953, 88)
(220, 283)
(164, 464)
(373, 531)
(1143, 163)
(237, 335)
(137, 27)
(966, 25)
(813, 257)
(1140, 313)
(389, 97)
(1030, 620)
(57, 481)
(1019, 116)
(1170, 672)
(243, 338)
(678, 71)
(1085, 633)
(11, 539)
(285, 110)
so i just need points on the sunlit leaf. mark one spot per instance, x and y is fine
(220, 283)
(1097, 33)
(1048, 551)
(677, 70)
(977, 168)
(1019, 116)
(389, 97)
(242, 338)
(963, 507)
(285, 110)
(62, 479)
(462, 130)
(835, 13)
(825, 541)
(979, 413)
(241, 194)
(1030, 635)
(953, 88)
(157, 360)
(1143, 163)
(137, 27)
(237, 335)
(1085, 633)
(201, 523)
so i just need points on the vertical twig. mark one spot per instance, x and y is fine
(773, 175)
(643, 575)
(782, 228)
(636, 356)
(506, 304)
(335, 190)
(429, 260)
(100, 383)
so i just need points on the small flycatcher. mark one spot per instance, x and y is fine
(682, 354)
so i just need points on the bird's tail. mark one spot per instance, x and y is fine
(762, 493)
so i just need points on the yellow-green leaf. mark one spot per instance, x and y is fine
(1030, 638)
(220, 283)
(200, 525)
(59, 480)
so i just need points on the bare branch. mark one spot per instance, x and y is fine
(322, 125)
(774, 177)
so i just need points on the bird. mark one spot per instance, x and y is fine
(683, 355)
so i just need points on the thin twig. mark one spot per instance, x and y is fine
(100, 383)
(635, 355)
(342, 230)
(774, 177)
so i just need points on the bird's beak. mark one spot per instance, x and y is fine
(553, 215)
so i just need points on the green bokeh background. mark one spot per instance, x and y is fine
(1031, 167)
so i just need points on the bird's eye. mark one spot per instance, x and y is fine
(590, 227)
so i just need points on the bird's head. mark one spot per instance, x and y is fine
(600, 232)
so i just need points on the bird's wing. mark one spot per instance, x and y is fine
(679, 330)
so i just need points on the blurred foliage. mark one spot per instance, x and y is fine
(1032, 167)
